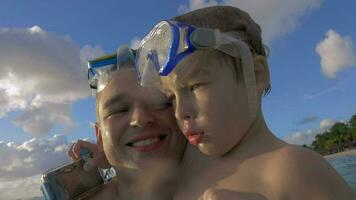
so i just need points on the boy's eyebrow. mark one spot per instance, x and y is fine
(197, 72)
(113, 100)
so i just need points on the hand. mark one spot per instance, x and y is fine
(215, 194)
(98, 159)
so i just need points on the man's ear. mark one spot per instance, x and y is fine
(261, 73)
(99, 139)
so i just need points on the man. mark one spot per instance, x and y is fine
(138, 133)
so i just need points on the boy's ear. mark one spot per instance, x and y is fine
(99, 139)
(261, 73)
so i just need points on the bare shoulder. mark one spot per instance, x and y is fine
(299, 173)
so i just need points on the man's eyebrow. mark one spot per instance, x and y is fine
(113, 100)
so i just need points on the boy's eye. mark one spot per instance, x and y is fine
(171, 97)
(195, 86)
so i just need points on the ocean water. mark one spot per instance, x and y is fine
(346, 166)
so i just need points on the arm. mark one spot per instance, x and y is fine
(298, 173)
(106, 191)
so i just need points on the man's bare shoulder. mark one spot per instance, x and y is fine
(299, 173)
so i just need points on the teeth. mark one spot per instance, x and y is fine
(145, 142)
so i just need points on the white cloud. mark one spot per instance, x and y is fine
(41, 73)
(135, 43)
(336, 53)
(308, 119)
(321, 93)
(25, 189)
(88, 52)
(31, 157)
(300, 138)
(326, 124)
(307, 137)
(40, 120)
(22, 165)
(196, 4)
(276, 17)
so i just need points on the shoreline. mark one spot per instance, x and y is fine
(351, 152)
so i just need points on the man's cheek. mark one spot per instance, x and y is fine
(114, 129)
(166, 118)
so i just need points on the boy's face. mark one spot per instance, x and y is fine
(137, 125)
(210, 102)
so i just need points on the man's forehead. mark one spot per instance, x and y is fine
(121, 80)
(129, 92)
(121, 83)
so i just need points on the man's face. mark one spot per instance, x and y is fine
(137, 124)
(210, 102)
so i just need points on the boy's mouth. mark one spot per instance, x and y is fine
(147, 143)
(194, 138)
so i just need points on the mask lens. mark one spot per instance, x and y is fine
(100, 70)
(93, 80)
(155, 49)
(103, 75)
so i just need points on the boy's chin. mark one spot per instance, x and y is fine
(212, 149)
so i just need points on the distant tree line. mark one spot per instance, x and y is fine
(340, 137)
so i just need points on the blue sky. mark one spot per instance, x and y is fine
(44, 45)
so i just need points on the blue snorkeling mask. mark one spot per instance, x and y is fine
(101, 69)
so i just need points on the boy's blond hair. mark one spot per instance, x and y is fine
(227, 19)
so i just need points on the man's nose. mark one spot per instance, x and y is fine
(141, 117)
(184, 109)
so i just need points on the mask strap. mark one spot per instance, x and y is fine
(249, 77)
(226, 45)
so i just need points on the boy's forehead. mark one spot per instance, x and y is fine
(199, 64)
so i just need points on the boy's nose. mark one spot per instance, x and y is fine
(141, 117)
(183, 110)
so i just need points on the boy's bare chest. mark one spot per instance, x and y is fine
(236, 176)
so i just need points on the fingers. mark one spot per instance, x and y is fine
(93, 148)
(74, 150)
(99, 160)
(89, 165)
(212, 194)
(71, 154)
(215, 194)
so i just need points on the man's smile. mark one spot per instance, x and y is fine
(147, 142)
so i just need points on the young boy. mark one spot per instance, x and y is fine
(212, 65)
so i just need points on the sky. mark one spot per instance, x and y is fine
(46, 103)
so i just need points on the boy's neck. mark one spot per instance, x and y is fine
(257, 139)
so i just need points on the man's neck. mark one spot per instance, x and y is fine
(143, 185)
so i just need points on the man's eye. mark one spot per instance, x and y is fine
(164, 106)
(117, 112)
(121, 111)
